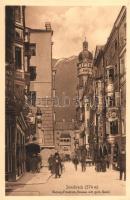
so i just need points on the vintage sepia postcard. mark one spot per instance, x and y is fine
(65, 99)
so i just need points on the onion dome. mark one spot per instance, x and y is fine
(85, 54)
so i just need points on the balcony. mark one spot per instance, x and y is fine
(84, 71)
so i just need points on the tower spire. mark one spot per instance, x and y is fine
(85, 44)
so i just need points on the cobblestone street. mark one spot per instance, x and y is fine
(71, 183)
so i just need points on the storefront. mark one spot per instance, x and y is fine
(15, 146)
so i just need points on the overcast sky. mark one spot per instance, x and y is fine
(72, 24)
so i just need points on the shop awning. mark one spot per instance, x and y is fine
(33, 148)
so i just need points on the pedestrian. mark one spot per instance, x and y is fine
(34, 163)
(51, 163)
(83, 159)
(103, 164)
(107, 161)
(122, 165)
(57, 165)
(83, 165)
(76, 161)
(98, 164)
(39, 162)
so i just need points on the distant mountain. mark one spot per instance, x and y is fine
(65, 84)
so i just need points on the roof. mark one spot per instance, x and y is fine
(40, 30)
(116, 24)
(65, 135)
(98, 49)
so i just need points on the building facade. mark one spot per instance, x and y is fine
(17, 80)
(110, 78)
(41, 84)
(101, 102)
(64, 138)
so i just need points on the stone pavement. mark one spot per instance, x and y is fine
(28, 179)
(43, 184)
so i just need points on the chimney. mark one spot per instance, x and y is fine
(48, 26)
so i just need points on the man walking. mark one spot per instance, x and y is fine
(57, 165)
(122, 165)
(83, 159)
(75, 161)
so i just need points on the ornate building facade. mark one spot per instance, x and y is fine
(101, 102)
(109, 63)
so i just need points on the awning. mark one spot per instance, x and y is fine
(33, 148)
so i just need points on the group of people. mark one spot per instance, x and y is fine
(36, 163)
(101, 164)
(80, 159)
(55, 165)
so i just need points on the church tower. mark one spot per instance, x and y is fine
(84, 72)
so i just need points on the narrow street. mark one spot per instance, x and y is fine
(71, 183)
(65, 100)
